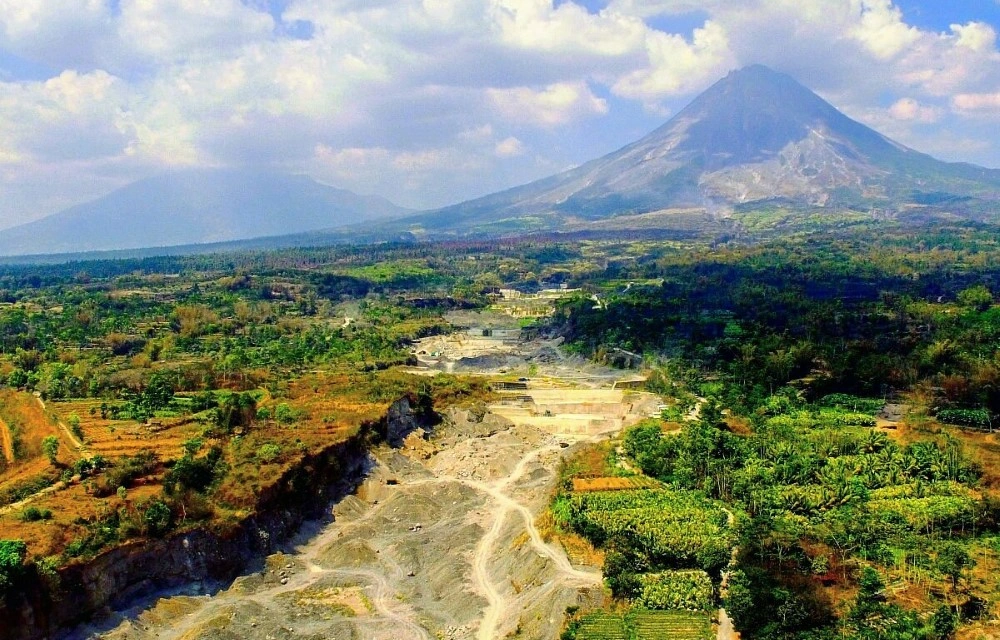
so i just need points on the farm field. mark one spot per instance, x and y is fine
(645, 625)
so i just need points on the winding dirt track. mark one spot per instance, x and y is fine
(66, 432)
(498, 604)
(727, 631)
(382, 595)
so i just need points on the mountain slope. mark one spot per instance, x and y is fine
(754, 135)
(196, 206)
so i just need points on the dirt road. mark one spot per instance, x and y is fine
(726, 629)
(499, 605)
(66, 431)
(7, 441)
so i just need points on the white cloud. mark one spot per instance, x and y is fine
(977, 102)
(568, 28)
(70, 117)
(554, 105)
(908, 109)
(977, 36)
(509, 148)
(63, 33)
(166, 29)
(677, 66)
(881, 28)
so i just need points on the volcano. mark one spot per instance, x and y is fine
(755, 136)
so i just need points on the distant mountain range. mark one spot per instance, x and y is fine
(756, 138)
(193, 207)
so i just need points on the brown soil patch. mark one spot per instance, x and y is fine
(591, 461)
(7, 442)
(26, 425)
(613, 483)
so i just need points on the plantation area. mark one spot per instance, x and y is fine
(663, 549)
(846, 395)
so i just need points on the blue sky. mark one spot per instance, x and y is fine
(428, 102)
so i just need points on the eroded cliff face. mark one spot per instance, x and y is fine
(401, 419)
(142, 568)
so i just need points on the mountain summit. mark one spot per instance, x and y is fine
(193, 207)
(754, 135)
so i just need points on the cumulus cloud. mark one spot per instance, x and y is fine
(429, 101)
(69, 117)
(167, 29)
(976, 102)
(977, 36)
(909, 109)
(553, 105)
(63, 34)
(882, 30)
(509, 148)
(677, 66)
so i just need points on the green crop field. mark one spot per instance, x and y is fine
(670, 625)
(644, 625)
(602, 625)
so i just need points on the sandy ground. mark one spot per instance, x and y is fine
(439, 542)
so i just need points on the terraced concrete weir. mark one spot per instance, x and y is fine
(579, 412)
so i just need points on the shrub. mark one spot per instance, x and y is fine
(237, 410)
(125, 471)
(50, 447)
(203, 401)
(12, 554)
(284, 414)
(157, 518)
(268, 452)
(34, 514)
(193, 473)
(965, 417)
(74, 426)
(852, 403)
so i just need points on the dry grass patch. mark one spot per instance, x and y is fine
(27, 423)
(614, 483)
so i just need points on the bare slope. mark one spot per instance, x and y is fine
(754, 135)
